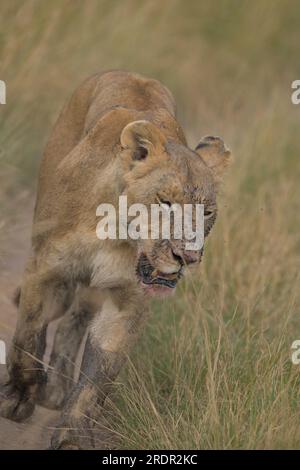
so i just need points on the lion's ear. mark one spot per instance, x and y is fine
(215, 154)
(143, 138)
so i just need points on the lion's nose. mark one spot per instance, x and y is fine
(191, 256)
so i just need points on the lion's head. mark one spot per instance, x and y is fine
(156, 170)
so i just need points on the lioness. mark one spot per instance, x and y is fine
(118, 135)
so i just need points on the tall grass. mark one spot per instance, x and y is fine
(213, 368)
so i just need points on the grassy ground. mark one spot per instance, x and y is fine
(213, 368)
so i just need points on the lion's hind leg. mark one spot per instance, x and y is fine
(67, 341)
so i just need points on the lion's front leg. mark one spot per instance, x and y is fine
(110, 337)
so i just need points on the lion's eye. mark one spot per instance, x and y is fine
(208, 213)
(167, 203)
(163, 201)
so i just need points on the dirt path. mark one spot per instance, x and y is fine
(15, 237)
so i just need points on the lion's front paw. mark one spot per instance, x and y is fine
(66, 439)
(74, 434)
(64, 446)
(15, 404)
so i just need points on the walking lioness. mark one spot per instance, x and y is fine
(118, 135)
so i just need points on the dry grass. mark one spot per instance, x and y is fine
(213, 368)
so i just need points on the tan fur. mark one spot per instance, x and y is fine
(118, 135)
